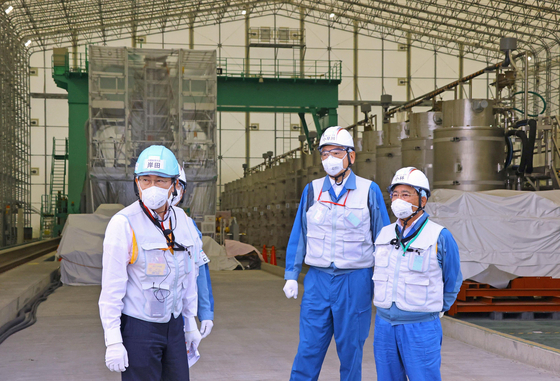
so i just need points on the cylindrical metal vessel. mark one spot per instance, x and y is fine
(468, 113)
(365, 159)
(423, 124)
(419, 153)
(393, 133)
(469, 158)
(388, 161)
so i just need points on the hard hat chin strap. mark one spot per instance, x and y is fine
(343, 173)
(406, 220)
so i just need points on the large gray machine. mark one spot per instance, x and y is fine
(469, 149)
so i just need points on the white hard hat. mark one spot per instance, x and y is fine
(413, 177)
(336, 136)
(182, 177)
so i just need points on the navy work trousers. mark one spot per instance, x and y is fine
(156, 351)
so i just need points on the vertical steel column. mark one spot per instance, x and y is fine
(408, 66)
(355, 131)
(301, 42)
(246, 70)
(461, 59)
(191, 31)
(435, 69)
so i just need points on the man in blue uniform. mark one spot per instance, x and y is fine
(337, 220)
(205, 296)
(417, 277)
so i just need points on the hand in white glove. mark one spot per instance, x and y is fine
(291, 289)
(441, 314)
(192, 337)
(206, 328)
(116, 358)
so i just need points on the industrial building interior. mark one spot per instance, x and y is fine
(468, 91)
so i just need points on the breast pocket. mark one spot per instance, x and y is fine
(315, 243)
(382, 254)
(353, 217)
(419, 260)
(156, 263)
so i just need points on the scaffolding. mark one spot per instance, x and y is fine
(14, 138)
(141, 97)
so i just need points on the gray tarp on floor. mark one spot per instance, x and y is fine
(81, 246)
(502, 234)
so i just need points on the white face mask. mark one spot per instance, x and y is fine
(401, 208)
(333, 166)
(155, 197)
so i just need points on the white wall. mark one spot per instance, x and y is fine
(370, 68)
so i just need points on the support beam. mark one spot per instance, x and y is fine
(247, 70)
(355, 132)
(408, 66)
(461, 63)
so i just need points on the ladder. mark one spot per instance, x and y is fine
(54, 203)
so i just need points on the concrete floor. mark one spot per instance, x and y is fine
(255, 338)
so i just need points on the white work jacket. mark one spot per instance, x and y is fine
(413, 280)
(141, 277)
(340, 232)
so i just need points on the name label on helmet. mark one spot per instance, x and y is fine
(154, 162)
(399, 178)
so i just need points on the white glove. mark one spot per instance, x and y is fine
(116, 357)
(206, 328)
(291, 289)
(441, 314)
(192, 337)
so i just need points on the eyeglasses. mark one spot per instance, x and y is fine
(147, 182)
(339, 153)
(403, 195)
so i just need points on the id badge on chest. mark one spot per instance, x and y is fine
(319, 214)
(418, 262)
(155, 263)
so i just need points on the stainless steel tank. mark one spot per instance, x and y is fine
(388, 161)
(468, 113)
(423, 124)
(469, 158)
(419, 153)
(469, 152)
(388, 156)
(365, 159)
(393, 133)
(417, 150)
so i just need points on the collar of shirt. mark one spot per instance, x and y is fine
(412, 228)
(347, 184)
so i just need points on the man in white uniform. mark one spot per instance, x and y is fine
(149, 277)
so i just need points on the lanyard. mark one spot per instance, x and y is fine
(405, 248)
(330, 202)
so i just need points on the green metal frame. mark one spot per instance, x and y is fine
(274, 86)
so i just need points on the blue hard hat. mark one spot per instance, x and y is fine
(157, 160)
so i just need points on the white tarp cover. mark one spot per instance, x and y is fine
(81, 246)
(217, 255)
(501, 234)
(223, 257)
